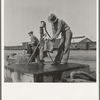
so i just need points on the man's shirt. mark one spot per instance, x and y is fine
(59, 27)
(34, 40)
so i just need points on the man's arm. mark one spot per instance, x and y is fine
(58, 31)
(36, 39)
(53, 30)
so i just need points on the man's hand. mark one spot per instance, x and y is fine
(29, 42)
(32, 43)
(51, 39)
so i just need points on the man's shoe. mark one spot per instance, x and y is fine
(42, 61)
(55, 63)
(64, 62)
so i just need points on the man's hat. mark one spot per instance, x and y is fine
(52, 18)
(30, 32)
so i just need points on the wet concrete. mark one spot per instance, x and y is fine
(35, 68)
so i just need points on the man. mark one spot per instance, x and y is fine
(60, 27)
(32, 45)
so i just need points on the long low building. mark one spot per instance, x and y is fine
(85, 44)
(13, 47)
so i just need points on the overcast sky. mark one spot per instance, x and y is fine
(23, 16)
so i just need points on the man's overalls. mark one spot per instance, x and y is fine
(64, 47)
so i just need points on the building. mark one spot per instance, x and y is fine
(25, 45)
(74, 46)
(85, 44)
(92, 46)
(13, 48)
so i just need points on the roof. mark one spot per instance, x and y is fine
(77, 40)
(86, 40)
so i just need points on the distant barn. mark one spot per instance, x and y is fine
(85, 44)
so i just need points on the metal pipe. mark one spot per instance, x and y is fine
(32, 54)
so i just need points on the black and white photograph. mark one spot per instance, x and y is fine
(50, 41)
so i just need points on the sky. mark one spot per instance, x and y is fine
(23, 16)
